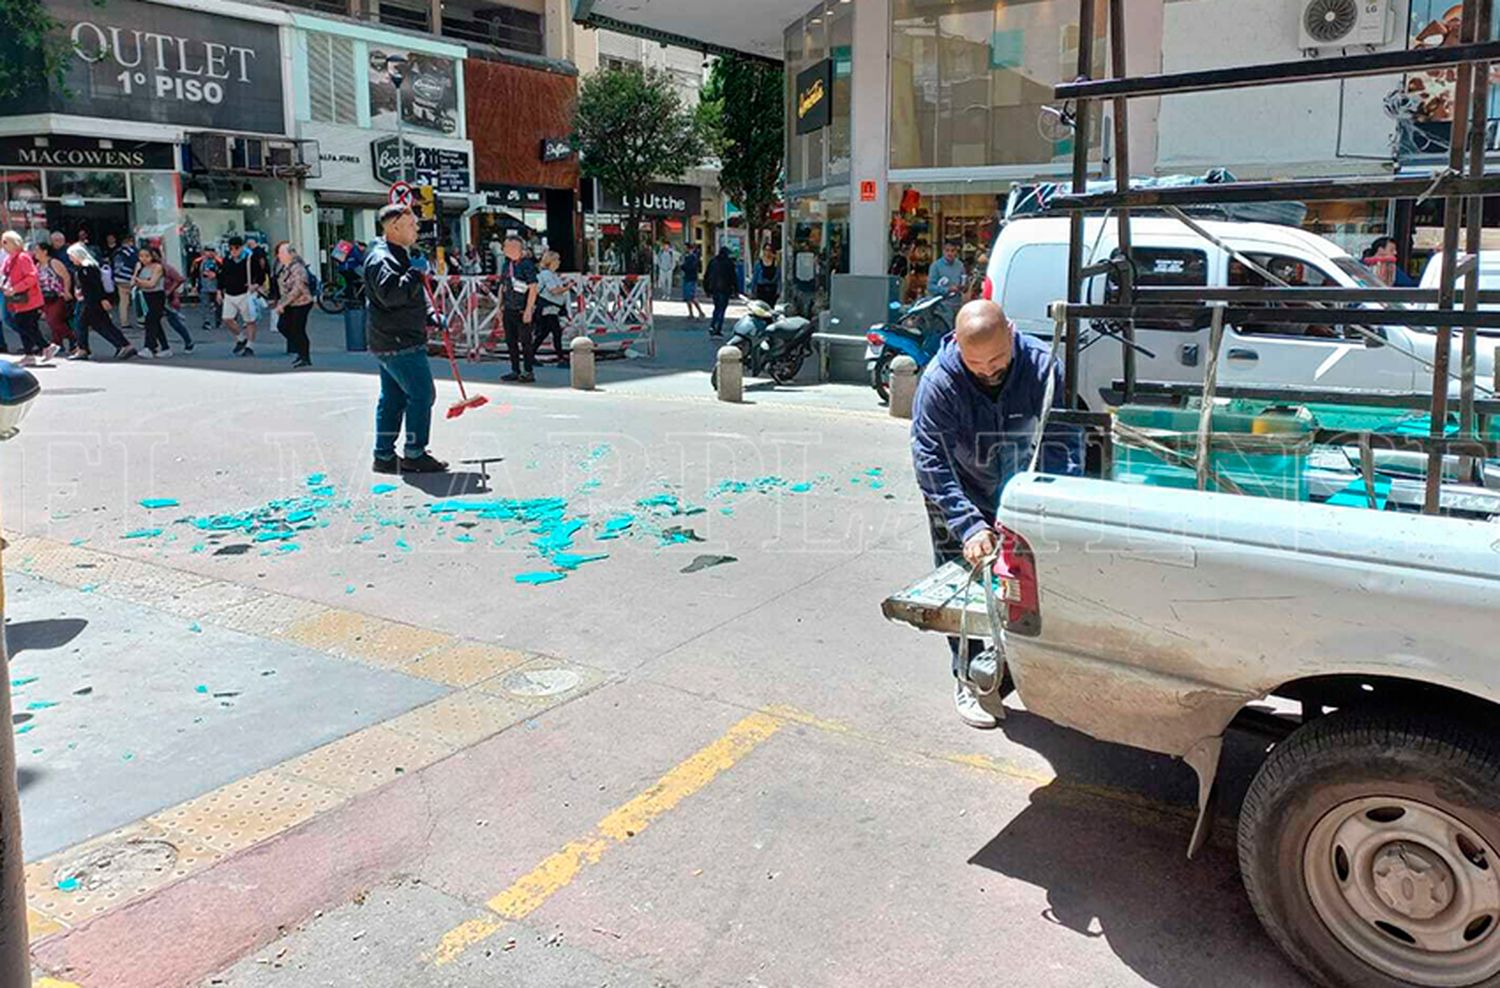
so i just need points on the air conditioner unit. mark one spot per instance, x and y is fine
(1328, 24)
(242, 155)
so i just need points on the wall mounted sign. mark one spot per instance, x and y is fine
(556, 149)
(161, 64)
(445, 169)
(814, 106)
(661, 199)
(515, 197)
(86, 153)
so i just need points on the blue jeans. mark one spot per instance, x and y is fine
(174, 319)
(406, 391)
(946, 548)
(721, 305)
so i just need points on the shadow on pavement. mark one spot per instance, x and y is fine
(27, 777)
(1114, 865)
(452, 484)
(39, 636)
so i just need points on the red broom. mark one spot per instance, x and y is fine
(465, 402)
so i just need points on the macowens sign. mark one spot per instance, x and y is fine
(86, 153)
(144, 61)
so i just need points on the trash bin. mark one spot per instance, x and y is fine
(354, 329)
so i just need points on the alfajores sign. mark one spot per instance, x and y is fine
(150, 62)
(814, 106)
(87, 153)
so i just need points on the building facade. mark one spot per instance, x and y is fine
(175, 126)
(369, 134)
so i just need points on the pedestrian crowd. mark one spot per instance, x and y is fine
(56, 297)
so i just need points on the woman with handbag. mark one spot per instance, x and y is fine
(57, 293)
(150, 278)
(294, 301)
(551, 302)
(23, 298)
(97, 301)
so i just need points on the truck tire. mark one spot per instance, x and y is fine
(1368, 845)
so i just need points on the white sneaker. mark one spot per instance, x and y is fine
(27, 361)
(52, 350)
(165, 353)
(969, 711)
(148, 354)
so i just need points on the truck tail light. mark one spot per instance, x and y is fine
(1015, 572)
(988, 290)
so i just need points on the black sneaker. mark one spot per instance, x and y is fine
(299, 362)
(426, 463)
(187, 347)
(392, 465)
(247, 352)
(527, 378)
(239, 347)
(512, 376)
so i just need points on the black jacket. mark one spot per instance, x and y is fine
(719, 279)
(399, 311)
(90, 281)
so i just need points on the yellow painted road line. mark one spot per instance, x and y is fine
(559, 869)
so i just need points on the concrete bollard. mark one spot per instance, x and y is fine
(903, 386)
(731, 370)
(581, 363)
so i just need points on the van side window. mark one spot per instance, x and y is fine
(1037, 277)
(1163, 267)
(1295, 272)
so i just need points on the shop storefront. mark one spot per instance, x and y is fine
(527, 169)
(195, 148)
(382, 107)
(670, 213)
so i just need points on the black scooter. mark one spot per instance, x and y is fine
(774, 344)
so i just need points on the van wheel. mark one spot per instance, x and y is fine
(1369, 843)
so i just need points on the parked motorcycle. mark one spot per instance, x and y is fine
(774, 344)
(917, 333)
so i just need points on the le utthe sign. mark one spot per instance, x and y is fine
(147, 62)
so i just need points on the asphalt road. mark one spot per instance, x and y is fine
(764, 782)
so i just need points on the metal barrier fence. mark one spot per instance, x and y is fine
(614, 310)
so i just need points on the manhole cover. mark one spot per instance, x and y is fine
(125, 864)
(541, 682)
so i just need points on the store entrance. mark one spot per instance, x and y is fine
(96, 218)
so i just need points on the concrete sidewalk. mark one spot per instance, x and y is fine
(702, 759)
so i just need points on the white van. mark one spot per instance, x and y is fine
(1029, 270)
(1489, 276)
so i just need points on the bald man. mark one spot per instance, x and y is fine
(973, 428)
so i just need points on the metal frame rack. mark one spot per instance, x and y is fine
(1462, 186)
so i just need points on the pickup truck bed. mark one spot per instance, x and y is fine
(1151, 617)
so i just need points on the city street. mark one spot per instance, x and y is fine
(611, 704)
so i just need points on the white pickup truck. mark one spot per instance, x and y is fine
(1370, 838)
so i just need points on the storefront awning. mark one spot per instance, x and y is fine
(718, 27)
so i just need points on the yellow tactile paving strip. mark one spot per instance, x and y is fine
(494, 688)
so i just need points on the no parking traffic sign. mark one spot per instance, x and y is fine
(402, 194)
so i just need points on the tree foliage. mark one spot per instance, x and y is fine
(631, 129)
(33, 52)
(742, 111)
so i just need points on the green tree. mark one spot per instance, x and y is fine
(742, 112)
(33, 53)
(631, 129)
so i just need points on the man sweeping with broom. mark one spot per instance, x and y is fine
(400, 310)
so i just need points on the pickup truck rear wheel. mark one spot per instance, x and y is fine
(1369, 843)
